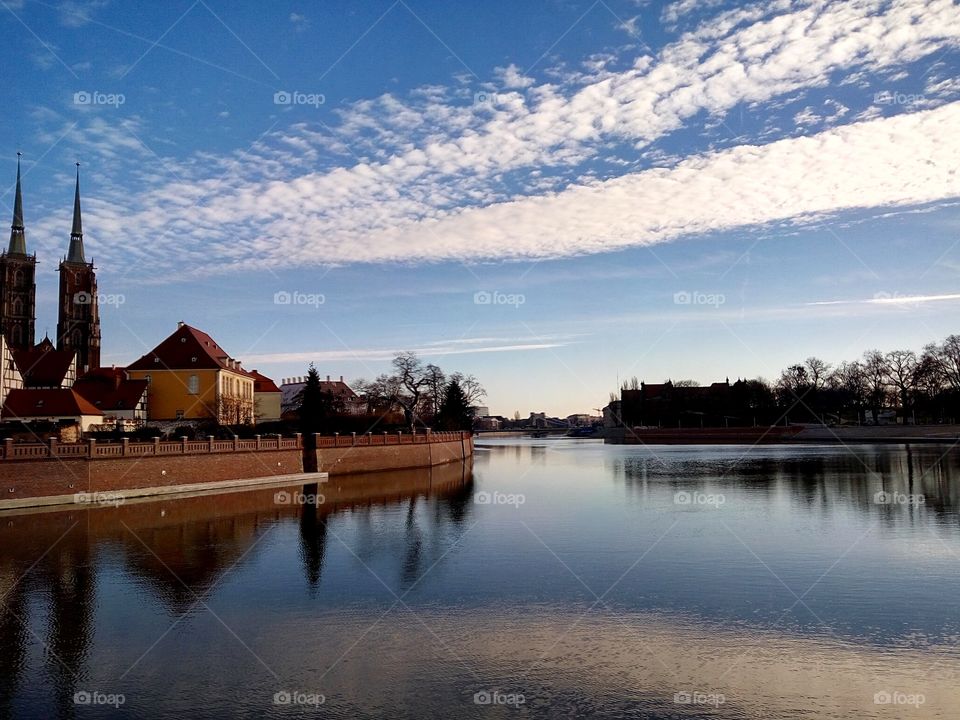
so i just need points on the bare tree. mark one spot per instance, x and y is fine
(817, 372)
(947, 357)
(849, 380)
(875, 370)
(436, 382)
(686, 384)
(900, 368)
(472, 389)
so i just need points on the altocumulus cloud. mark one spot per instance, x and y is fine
(433, 188)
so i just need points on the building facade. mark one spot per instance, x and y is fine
(18, 284)
(78, 327)
(190, 377)
(78, 320)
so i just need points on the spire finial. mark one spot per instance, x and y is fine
(18, 241)
(75, 255)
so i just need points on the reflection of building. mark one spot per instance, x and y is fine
(266, 398)
(192, 378)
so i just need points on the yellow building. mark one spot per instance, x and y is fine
(191, 378)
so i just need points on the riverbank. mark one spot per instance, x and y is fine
(893, 434)
(51, 473)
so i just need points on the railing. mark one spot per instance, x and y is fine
(377, 439)
(91, 449)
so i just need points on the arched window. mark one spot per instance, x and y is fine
(18, 278)
(17, 307)
(16, 336)
(193, 385)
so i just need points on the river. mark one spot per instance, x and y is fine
(551, 578)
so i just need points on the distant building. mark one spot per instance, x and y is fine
(61, 406)
(583, 420)
(487, 423)
(192, 378)
(291, 388)
(480, 411)
(122, 401)
(267, 398)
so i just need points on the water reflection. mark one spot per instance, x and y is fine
(177, 549)
(401, 595)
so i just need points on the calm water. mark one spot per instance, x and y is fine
(558, 578)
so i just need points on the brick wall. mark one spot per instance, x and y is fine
(39, 478)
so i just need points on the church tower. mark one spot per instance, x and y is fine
(78, 328)
(18, 286)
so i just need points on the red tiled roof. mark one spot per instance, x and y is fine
(263, 384)
(110, 389)
(186, 349)
(65, 402)
(42, 365)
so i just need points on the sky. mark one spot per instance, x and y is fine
(553, 195)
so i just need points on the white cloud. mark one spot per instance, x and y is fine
(429, 183)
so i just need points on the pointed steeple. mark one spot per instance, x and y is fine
(18, 240)
(75, 255)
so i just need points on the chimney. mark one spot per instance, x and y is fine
(328, 378)
(180, 324)
(341, 378)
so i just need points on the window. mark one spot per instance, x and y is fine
(148, 378)
(193, 385)
(179, 414)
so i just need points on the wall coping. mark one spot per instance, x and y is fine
(93, 450)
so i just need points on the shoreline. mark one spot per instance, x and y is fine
(791, 435)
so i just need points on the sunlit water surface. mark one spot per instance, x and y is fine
(558, 578)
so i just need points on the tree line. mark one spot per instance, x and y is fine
(915, 387)
(418, 394)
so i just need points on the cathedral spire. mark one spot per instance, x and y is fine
(18, 241)
(75, 254)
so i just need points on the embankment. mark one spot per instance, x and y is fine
(52, 473)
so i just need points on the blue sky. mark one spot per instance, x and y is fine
(550, 195)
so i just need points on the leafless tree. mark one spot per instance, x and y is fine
(900, 368)
(875, 370)
(817, 372)
(473, 391)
